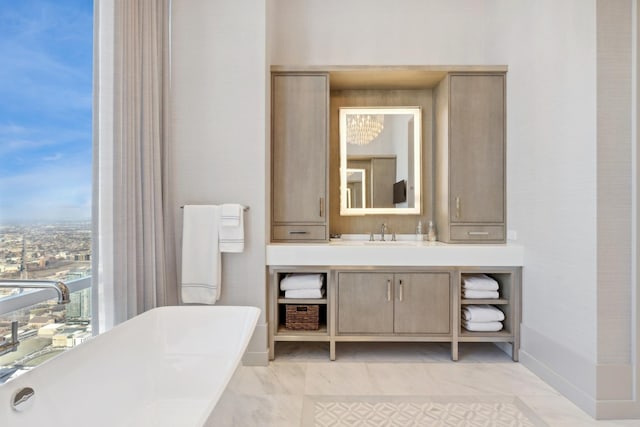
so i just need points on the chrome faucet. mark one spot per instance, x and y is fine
(9, 346)
(59, 287)
(383, 229)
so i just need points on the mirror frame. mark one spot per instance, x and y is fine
(417, 160)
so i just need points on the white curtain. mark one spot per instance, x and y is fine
(133, 251)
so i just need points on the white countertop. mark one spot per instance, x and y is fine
(402, 253)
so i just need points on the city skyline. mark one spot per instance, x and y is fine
(45, 111)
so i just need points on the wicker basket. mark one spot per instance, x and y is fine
(302, 317)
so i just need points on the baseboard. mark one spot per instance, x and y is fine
(257, 353)
(561, 367)
(256, 358)
(566, 388)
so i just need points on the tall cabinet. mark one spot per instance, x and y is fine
(470, 158)
(299, 153)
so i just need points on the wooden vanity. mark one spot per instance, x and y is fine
(456, 177)
(395, 293)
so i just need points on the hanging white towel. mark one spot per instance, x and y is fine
(482, 313)
(201, 263)
(482, 326)
(301, 281)
(479, 282)
(231, 228)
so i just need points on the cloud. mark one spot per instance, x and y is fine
(53, 158)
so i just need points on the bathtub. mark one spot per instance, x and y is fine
(166, 367)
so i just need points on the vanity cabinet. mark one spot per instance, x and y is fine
(393, 303)
(399, 304)
(470, 158)
(299, 153)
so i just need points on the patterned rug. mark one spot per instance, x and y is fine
(432, 411)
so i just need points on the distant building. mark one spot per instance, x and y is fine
(40, 321)
(48, 331)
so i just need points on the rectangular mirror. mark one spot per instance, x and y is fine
(380, 153)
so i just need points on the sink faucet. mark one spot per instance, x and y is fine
(9, 346)
(383, 229)
(59, 287)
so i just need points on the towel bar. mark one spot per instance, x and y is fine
(244, 208)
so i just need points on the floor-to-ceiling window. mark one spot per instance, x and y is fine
(45, 174)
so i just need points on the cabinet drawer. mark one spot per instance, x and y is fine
(299, 232)
(479, 233)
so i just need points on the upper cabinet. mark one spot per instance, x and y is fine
(299, 153)
(470, 158)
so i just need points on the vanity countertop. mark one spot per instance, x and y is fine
(401, 253)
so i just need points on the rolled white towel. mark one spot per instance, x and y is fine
(479, 282)
(301, 281)
(304, 293)
(482, 326)
(482, 313)
(473, 294)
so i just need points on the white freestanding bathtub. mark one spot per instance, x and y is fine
(166, 367)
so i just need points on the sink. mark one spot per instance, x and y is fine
(349, 242)
(391, 243)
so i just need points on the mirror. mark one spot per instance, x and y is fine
(380, 167)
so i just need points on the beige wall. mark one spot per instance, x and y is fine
(553, 145)
(218, 132)
(549, 47)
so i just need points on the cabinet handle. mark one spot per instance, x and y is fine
(457, 207)
(321, 207)
(388, 290)
(401, 293)
(298, 232)
(478, 233)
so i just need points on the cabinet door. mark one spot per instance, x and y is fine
(299, 150)
(365, 303)
(476, 148)
(422, 303)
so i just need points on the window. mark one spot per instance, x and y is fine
(45, 172)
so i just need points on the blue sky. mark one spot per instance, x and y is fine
(45, 110)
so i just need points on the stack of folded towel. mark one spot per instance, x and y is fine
(479, 286)
(482, 318)
(303, 286)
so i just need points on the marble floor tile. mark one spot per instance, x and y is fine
(557, 411)
(339, 379)
(239, 410)
(401, 379)
(275, 379)
(274, 395)
(484, 378)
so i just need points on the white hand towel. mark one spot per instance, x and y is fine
(231, 228)
(230, 214)
(482, 313)
(301, 281)
(479, 282)
(200, 255)
(482, 326)
(304, 293)
(472, 294)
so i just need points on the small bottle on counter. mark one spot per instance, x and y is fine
(419, 231)
(431, 232)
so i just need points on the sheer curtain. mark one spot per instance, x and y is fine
(133, 252)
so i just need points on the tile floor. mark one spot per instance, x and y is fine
(275, 395)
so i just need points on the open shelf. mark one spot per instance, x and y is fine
(304, 301)
(282, 331)
(499, 301)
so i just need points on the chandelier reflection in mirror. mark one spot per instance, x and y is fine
(364, 128)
